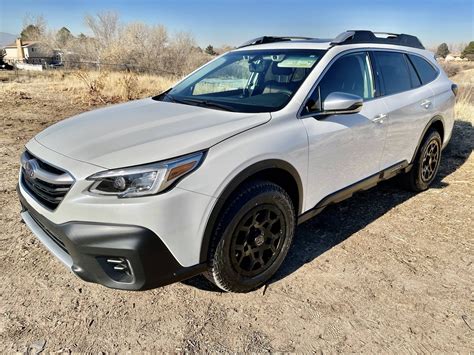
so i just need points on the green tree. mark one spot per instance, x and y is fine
(63, 36)
(210, 50)
(443, 50)
(31, 33)
(468, 52)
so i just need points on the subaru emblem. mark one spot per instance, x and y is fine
(30, 167)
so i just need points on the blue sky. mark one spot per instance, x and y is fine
(234, 21)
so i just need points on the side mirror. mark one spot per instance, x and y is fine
(341, 103)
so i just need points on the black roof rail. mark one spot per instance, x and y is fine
(271, 39)
(364, 36)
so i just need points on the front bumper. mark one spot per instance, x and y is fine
(118, 256)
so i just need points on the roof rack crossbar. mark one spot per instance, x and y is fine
(272, 39)
(386, 33)
(364, 36)
(348, 37)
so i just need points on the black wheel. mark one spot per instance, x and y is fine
(252, 237)
(426, 164)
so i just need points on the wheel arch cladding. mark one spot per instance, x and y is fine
(277, 171)
(437, 123)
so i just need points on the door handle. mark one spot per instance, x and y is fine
(379, 118)
(426, 104)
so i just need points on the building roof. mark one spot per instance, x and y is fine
(25, 44)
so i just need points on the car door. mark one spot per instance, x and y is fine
(410, 105)
(344, 148)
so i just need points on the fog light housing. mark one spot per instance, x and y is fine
(117, 268)
(119, 264)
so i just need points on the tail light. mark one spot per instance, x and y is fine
(454, 88)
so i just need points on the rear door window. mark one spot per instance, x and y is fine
(394, 70)
(425, 70)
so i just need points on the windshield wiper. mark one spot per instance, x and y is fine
(164, 95)
(205, 103)
(168, 96)
(197, 102)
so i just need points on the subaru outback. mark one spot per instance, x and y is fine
(213, 175)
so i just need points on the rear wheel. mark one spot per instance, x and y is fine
(252, 237)
(426, 164)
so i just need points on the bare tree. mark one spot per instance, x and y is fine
(183, 54)
(134, 46)
(143, 45)
(105, 26)
(34, 26)
(456, 47)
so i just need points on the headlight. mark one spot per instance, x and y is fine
(145, 179)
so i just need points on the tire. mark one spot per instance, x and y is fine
(426, 163)
(252, 237)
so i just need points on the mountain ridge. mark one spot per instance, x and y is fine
(6, 38)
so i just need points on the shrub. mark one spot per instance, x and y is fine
(129, 84)
(443, 50)
(468, 52)
(94, 86)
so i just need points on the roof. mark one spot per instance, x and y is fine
(24, 44)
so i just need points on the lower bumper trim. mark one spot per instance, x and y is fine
(83, 247)
(55, 249)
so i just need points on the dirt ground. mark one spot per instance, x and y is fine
(385, 271)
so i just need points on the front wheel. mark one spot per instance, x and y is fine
(426, 164)
(252, 237)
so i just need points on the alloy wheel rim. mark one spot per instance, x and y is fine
(257, 240)
(429, 164)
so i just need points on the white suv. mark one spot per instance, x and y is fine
(213, 175)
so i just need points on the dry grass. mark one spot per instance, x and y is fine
(92, 87)
(462, 73)
(464, 108)
(465, 101)
(453, 68)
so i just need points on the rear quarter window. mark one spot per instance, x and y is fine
(415, 79)
(424, 69)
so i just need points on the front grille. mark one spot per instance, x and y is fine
(46, 183)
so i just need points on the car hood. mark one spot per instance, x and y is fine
(144, 131)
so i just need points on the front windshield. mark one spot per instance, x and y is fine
(247, 81)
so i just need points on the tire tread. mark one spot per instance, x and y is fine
(410, 180)
(216, 265)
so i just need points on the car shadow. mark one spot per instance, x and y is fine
(338, 222)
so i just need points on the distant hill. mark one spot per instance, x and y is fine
(6, 38)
